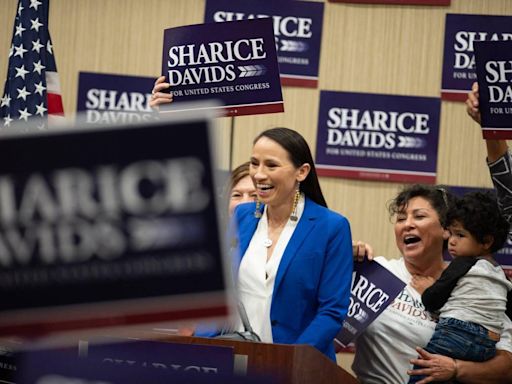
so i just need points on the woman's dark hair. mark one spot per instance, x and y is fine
(299, 153)
(437, 196)
(479, 214)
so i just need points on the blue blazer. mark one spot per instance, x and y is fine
(312, 286)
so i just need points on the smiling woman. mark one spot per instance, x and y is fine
(385, 351)
(293, 249)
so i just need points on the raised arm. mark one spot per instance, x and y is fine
(437, 295)
(498, 159)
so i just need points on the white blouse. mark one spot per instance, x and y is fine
(257, 276)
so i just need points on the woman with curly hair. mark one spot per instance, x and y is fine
(471, 293)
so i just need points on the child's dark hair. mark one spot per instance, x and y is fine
(479, 214)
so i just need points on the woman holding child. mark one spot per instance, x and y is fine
(386, 350)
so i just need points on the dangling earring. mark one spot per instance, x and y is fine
(257, 211)
(296, 198)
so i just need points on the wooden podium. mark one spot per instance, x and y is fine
(290, 364)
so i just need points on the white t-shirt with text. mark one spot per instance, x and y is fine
(385, 348)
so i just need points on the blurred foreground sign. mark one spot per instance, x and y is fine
(107, 227)
(65, 366)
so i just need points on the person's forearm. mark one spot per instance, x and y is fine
(495, 149)
(437, 295)
(497, 370)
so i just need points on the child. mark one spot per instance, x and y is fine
(471, 294)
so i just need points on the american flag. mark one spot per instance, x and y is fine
(32, 87)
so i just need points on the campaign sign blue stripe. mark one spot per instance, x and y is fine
(297, 30)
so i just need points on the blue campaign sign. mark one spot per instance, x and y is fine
(65, 366)
(461, 32)
(181, 358)
(297, 30)
(109, 98)
(373, 289)
(234, 63)
(494, 70)
(377, 137)
(504, 255)
(109, 226)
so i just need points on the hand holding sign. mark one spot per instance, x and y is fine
(472, 103)
(158, 96)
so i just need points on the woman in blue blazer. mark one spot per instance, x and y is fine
(295, 266)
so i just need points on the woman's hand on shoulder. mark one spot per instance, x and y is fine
(362, 250)
(421, 283)
(159, 97)
(472, 103)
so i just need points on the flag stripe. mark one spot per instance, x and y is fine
(52, 81)
(55, 106)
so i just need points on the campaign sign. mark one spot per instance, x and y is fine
(183, 358)
(373, 289)
(504, 255)
(297, 31)
(234, 63)
(399, 2)
(494, 70)
(461, 32)
(107, 98)
(377, 137)
(109, 226)
(66, 367)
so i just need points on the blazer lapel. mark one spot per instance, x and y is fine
(304, 227)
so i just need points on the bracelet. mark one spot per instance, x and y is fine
(456, 369)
